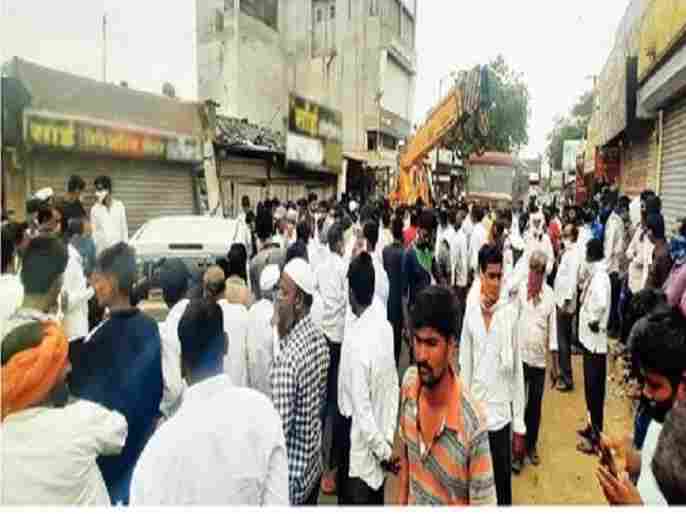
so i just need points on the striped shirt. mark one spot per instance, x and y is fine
(456, 468)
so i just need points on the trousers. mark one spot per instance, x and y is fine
(595, 377)
(613, 325)
(501, 455)
(564, 341)
(534, 383)
(330, 408)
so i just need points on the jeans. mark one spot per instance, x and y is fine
(613, 325)
(501, 455)
(595, 378)
(564, 340)
(357, 492)
(534, 382)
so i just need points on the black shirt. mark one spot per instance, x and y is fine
(393, 264)
(71, 210)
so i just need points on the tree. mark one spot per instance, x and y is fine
(509, 118)
(569, 127)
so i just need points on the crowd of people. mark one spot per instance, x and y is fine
(280, 372)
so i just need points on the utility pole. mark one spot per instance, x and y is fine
(104, 47)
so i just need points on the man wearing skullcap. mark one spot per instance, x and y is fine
(49, 449)
(261, 332)
(298, 380)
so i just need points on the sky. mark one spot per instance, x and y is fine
(556, 44)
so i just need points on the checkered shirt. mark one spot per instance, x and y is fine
(298, 380)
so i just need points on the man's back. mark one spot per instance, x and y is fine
(225, 446)
(48, 454)
(119, 366)
(393, 264)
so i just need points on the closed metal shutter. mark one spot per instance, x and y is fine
(148, 189)
(242, 176)
(639, 167)
(673, 188)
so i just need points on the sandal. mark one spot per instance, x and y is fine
(585, 446)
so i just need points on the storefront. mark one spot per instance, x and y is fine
(673, 169)
(147, 144)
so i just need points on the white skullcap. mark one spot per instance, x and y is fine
(292, 215)
(45, 193)
(353, 206)
(301, 273)
(280, 212)
(269, 277)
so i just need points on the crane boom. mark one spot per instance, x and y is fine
(446, 124)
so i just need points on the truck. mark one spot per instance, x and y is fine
(460, 117)
(496, 177)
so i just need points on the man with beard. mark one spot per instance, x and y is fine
(298, 381)
(420, 269)
(491, 367)
(435, 405)
(659, 344)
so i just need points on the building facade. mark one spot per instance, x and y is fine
(355, 56)
(57, 124)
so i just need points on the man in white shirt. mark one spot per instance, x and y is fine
(613, 249)
(332, 284)
(225, 446)
(261, 341)
(370, 231)
(593, 316)
(659, 345)
(108, 217)
(459, 257)
(566, 292)
(477, 239)
(491, 367)
(368, 392)
(537, 337)
(49, 448)
(10, 284)
(75, 290)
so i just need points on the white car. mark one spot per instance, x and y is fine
(198, 240)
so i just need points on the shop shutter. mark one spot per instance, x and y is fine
(148, 189)
(673, 183)
(639, 165)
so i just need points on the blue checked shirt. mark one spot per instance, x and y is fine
(298, 380)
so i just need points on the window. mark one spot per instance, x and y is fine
(332, 11)
(319, 16)
(373, 7)
(266, 11)
(218, 21)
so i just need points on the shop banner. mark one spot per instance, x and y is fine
(68, 133)
(315, 135)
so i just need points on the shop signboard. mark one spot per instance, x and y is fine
(315, 135)
(664, 22)
(70, 133)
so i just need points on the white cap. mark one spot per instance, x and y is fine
(44, 194)
(353, 206)
(280, 212)
(269, 277)
(301, 273)
(292, 215)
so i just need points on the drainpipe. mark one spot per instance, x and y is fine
(658, 179)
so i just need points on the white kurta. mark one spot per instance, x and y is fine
(109, 225)
(260, 346)
(48, 455)
(595, 307)
(236, 327)
(225, 446)
(78, 294)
